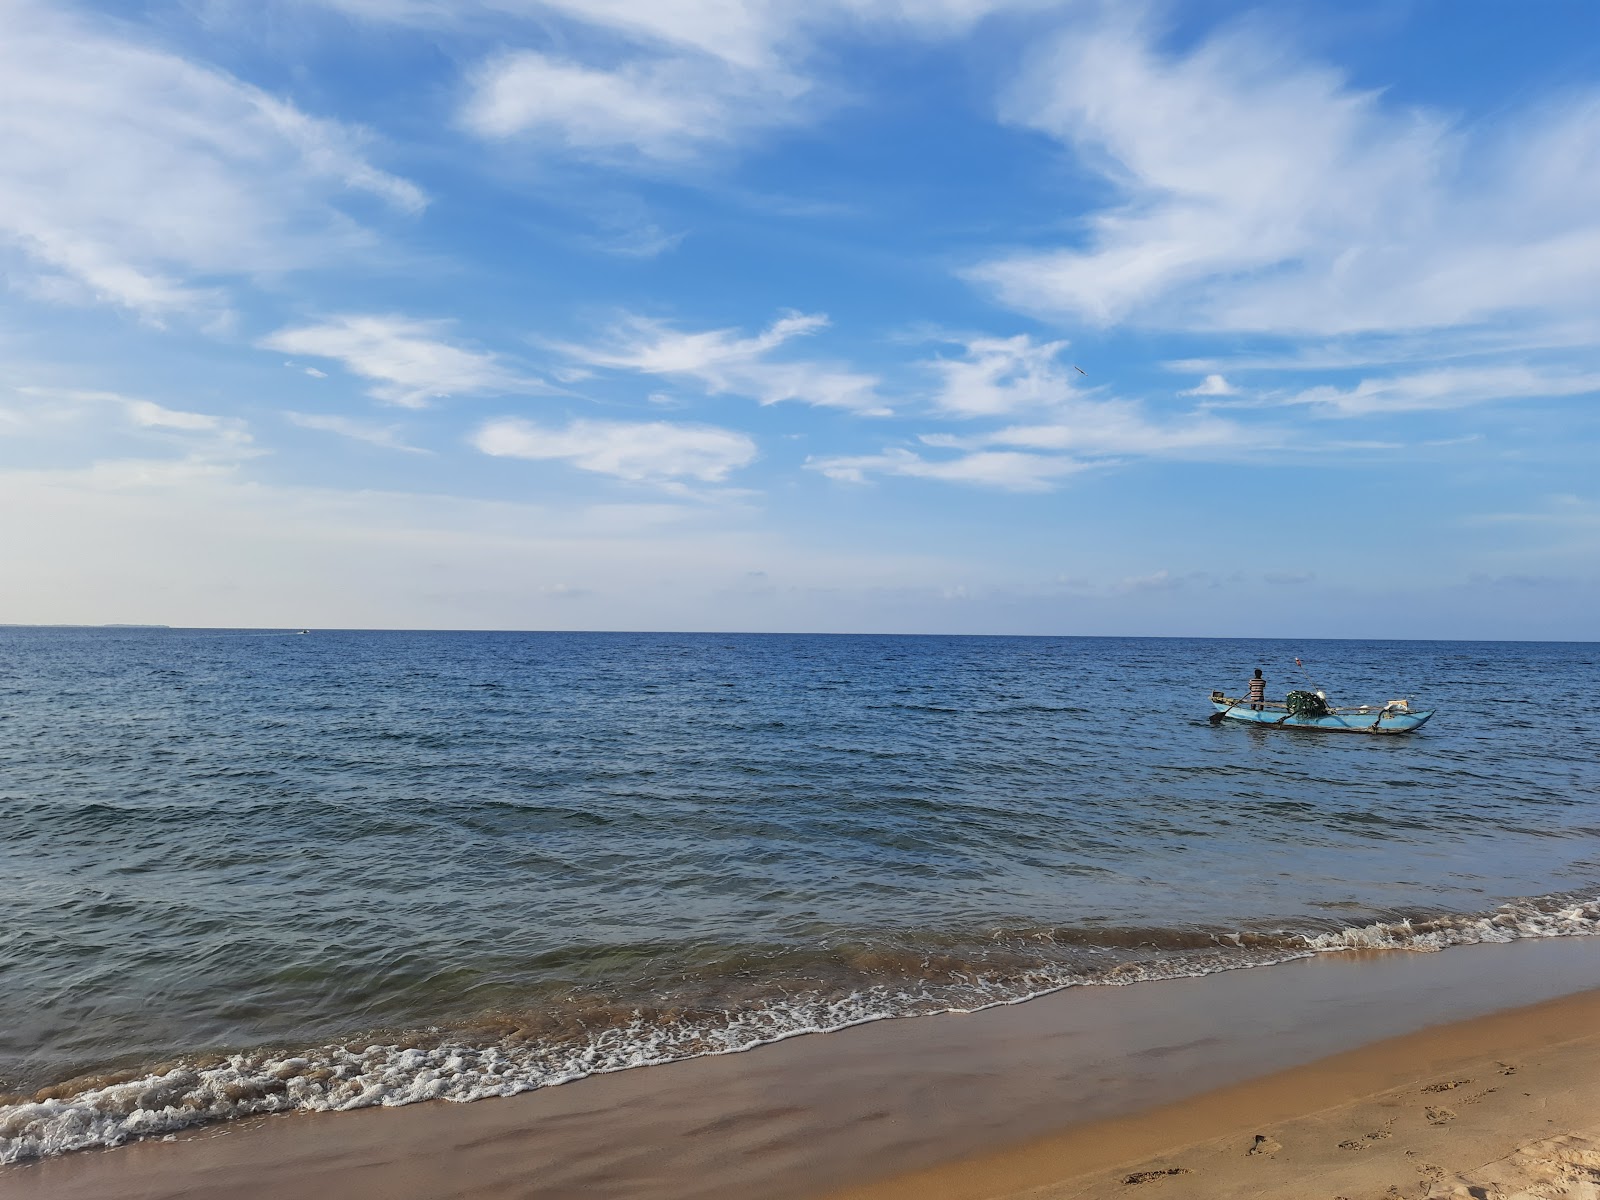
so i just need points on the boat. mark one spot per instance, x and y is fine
(1397, 716)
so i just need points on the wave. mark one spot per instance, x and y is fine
(504, 1054)
(1545, 916)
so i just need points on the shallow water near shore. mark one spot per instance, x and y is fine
(255, 871)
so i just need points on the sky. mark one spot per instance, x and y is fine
(921, 316)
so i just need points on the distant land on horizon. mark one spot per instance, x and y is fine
(1191, 637)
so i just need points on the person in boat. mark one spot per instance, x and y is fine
(1258, 691)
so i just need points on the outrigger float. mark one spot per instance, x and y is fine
(1308, 710)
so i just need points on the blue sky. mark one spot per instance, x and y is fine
(970, 316)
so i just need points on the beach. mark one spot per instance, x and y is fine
(1341, 1075)
(1502, 1107)
(857, 600)
(656, 917)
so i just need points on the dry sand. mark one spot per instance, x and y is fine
(1155, 1090)
(1505, 1107)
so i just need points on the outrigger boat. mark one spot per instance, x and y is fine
(1397, 716)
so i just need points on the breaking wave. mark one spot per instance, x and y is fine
(507, 1053)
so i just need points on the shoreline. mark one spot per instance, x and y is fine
(499, 1058)
(859, 1108)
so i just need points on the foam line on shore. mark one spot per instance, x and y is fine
(441, 1065)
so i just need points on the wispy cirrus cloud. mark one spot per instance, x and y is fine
(1006, 470)
(662, 109)
(659, 452)
(1561, 509)
(386, 436)
(1445, 388)
(199, 438)
(1263, 193)
(725, 361)
(131, 176)
(1016, 376)
(1063, 428)
(410, 362)
(664, 82)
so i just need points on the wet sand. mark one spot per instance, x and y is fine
(1072, 1093)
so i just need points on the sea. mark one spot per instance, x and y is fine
(249, 871)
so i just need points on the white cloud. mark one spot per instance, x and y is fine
(387, 436)
(1001, 376)
(1006, 470)
(1211, 385)
(1268, 194)
(664, 80)
(134, 177)
(998, 377)
(723, 361)
(1121, 427)
(202, 437)
(1068, 429)
(409, 360)
(642, 240)
(662, 109)
(736, 31)
(1562, 509)
(749, 33)
(1445, 388)
(642, 452)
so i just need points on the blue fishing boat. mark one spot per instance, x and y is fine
(1308, 710)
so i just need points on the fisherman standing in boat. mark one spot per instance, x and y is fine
(1258, 691)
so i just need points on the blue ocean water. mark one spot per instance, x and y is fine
(248, 871)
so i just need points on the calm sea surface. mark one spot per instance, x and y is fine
(247, 871)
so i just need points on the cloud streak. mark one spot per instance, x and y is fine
(1445, 388)
(1266, 194)
(663, 83)
(723, 361)
(638, 452)
(1063, 430)
(1005, 470)
(133, 177)
(386, 436)
(410, 362)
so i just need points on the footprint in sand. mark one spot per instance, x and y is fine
(1477, 1097)
(1448, 1085)
(1506, 1068)
(1265, 1145)
(1147, 1176)
(1431, 1173)
(1362, 1143)
(1439, 1116)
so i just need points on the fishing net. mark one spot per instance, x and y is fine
(1306, 704)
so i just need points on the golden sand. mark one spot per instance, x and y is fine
(1505, 1107)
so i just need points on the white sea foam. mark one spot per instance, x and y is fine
(345, 1077)
(1508, 923)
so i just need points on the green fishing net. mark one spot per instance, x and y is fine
(1306, 704)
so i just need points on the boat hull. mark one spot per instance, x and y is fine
(1373, 721)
